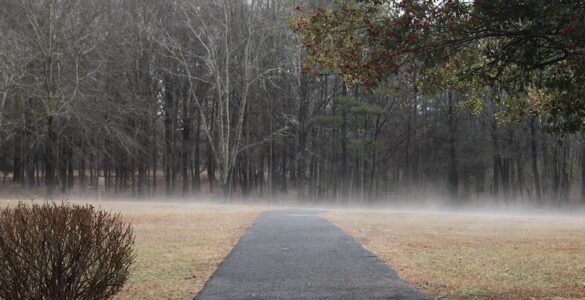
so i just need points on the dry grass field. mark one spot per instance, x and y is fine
(458, 256)
(178, 245)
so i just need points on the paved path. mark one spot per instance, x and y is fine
(295, 254)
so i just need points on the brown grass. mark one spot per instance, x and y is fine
(459, 256)
(178, 245)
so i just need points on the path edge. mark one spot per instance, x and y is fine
(378, 259)
(205, 286)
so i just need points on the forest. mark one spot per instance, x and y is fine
(267, 99)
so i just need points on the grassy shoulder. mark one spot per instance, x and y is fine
(178, 245)
(476, 256)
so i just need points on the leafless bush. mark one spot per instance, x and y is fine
(63, 251)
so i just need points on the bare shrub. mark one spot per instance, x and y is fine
(63, 251)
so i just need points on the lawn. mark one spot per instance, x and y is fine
(458, 256)
(178, 245)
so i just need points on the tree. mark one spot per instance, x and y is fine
(368, 41)
(175, 94)
(226, 33)
(56, 39)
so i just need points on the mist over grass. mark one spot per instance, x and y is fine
(484, 206)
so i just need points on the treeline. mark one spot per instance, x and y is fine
(183, 97)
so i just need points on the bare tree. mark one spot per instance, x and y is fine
(226, 33)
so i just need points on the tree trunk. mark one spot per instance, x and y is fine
(344, 169)
(210, 169)
(565, 167)
(453, 181)
(496, 155)
(534, 153)
(70, 173)
(583, 169)
(82, 175)
(185, 151)
(196, 179)
(17, 161)
(141, 179)
(50, 158)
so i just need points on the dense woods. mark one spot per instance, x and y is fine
(180, 98)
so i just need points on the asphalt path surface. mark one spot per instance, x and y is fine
(295, 254)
